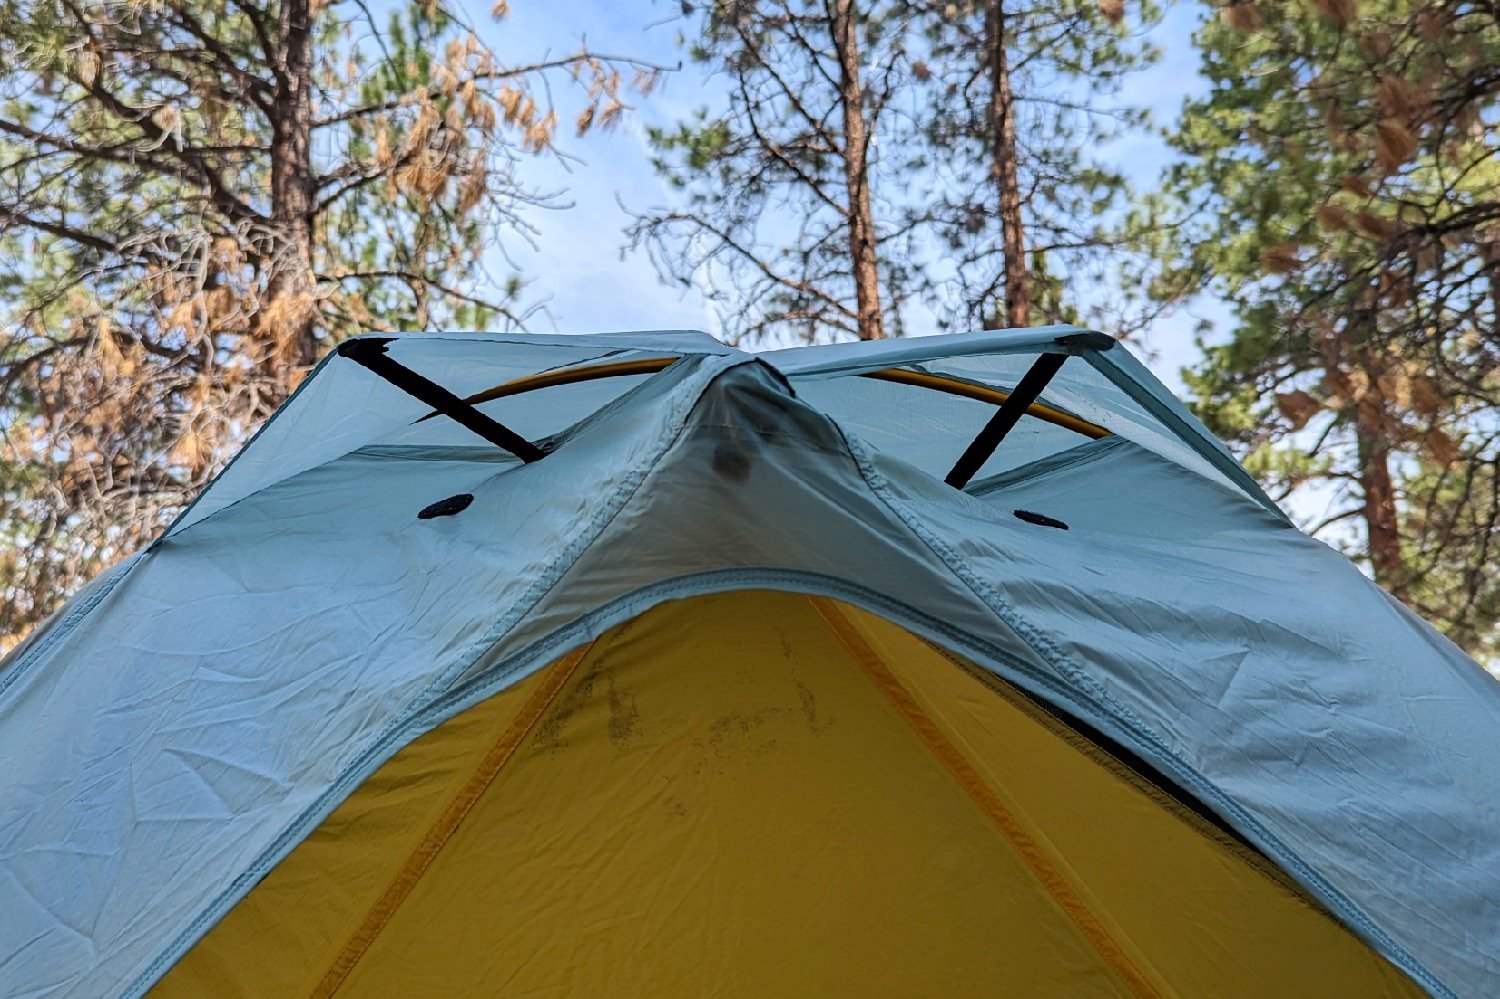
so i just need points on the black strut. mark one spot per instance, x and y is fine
(371, 353)
(1011, 410)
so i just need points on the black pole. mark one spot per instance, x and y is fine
(371, 353)
(1011, 410)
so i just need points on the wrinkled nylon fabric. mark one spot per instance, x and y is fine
(326, 889)
(746, 795)
(1109, 387)
(167, 747)
(343, 407)
(247, 664)
(1251, 653)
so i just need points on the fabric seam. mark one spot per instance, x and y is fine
(1079, 454)
(62, 629)
(1124, 772)
(1135, 734)
(983, 797)
(417, 863)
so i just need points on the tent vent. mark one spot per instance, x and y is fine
(1040, 519)
(448, 507)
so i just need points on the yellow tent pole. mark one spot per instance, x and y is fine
(983, 393)
(901, 376)
(567, 376)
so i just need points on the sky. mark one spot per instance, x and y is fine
(580, 268)
(582, 273)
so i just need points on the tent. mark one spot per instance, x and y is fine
(634, 664)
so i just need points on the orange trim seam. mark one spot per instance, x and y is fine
(985, 393)
(899, 376)
(989, 803)
(447, 823)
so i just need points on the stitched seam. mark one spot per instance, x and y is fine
(1079, 454)
(64, 627)
(1135, 733)
(630, 484)
(1217, 458)
(951, 758)
(446, 824)
(1124, 772)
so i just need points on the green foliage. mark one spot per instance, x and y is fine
(1070, 64)
(1338, 189)
(197, 200)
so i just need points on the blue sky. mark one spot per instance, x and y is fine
(580, 268)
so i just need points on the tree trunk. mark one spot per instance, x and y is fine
(289, 308)
(861, 224)
(1373, 447)
(1489, 252)
(1382, 523)
(1017, 305)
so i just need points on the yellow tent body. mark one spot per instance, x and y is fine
(769, 794)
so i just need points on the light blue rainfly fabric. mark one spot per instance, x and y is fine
(342, 407)
(1107, 387)
(186, 724)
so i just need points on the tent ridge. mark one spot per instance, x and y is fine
(12, 670)
(307, 381)
(1118, 367)
(629, 483)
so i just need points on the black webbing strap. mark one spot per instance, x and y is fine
(370, 352)
(1011, 410)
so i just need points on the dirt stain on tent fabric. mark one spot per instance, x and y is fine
(810, 709)
(624, 715)
(549, 733)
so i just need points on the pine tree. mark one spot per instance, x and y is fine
(1341, 189)
(1016, 98)
(875, 158)
(196, 201)
(781, 186)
